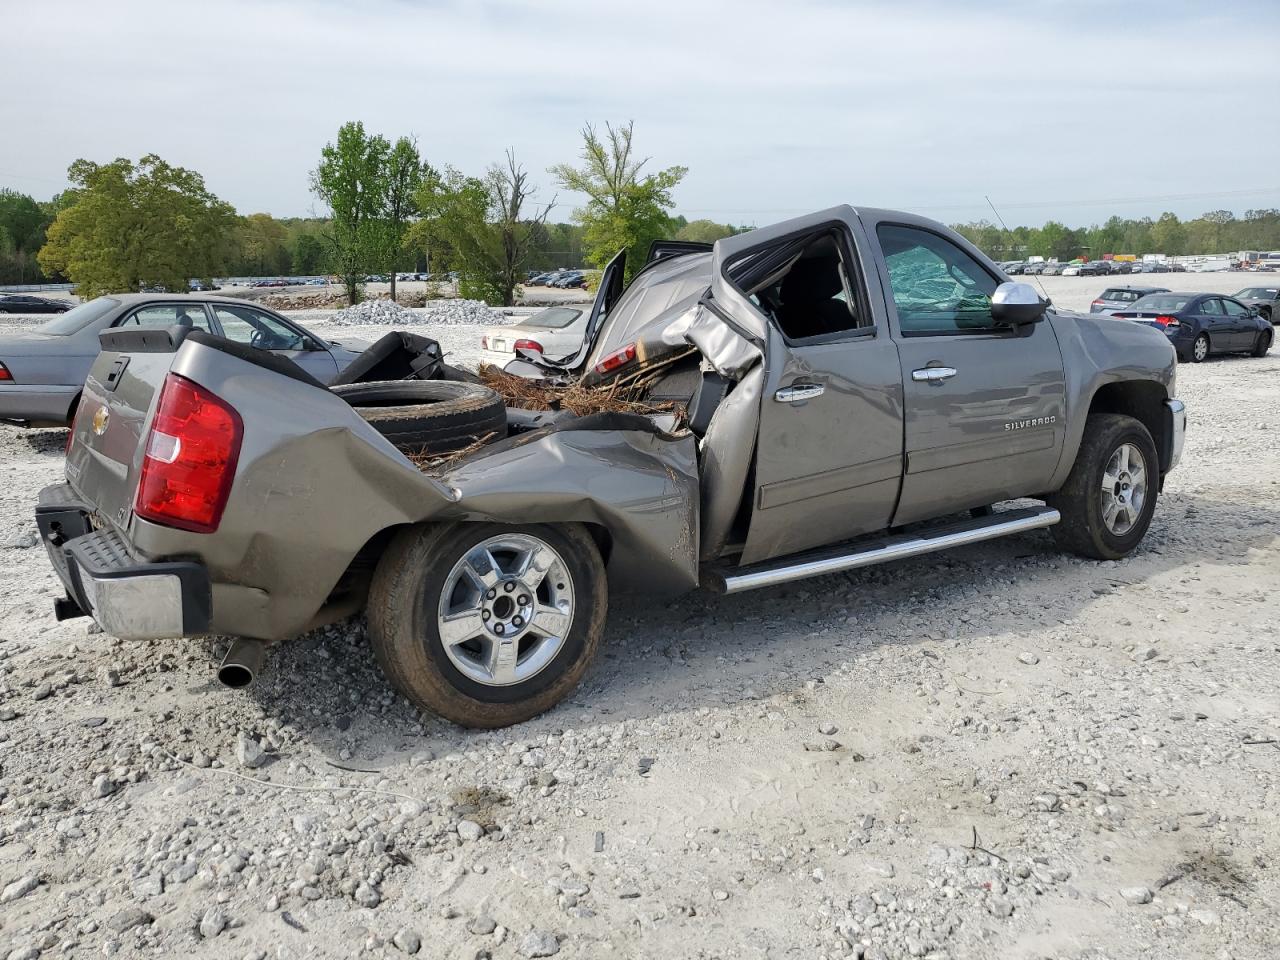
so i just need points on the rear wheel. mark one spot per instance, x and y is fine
(1110, 495)
(1200, 348)
(488, 624)
(1262, 344)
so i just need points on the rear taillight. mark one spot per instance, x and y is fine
(1166, 321)
(190, 458)
(1099, 303)
(617, 359)
(5, 375)
(533, 345)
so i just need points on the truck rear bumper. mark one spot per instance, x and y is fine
(127, 597)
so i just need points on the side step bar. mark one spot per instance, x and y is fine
(868, 553)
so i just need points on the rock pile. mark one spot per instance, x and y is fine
(371, 313)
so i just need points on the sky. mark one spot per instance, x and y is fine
(1055, 110)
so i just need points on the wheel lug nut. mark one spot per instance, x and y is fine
(508, 586)
(522, 600)
(517, 621)
(492, 593)
(499, 629)
(484, 614)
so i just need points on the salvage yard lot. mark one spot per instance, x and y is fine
(996, 752)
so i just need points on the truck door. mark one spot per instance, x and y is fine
(828, 458)
(985, 406)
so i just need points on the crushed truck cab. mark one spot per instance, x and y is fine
(847, 388)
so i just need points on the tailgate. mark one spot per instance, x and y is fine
(105, 452)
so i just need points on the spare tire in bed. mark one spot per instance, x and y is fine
(433, 416)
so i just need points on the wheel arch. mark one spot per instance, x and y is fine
(1144, 400)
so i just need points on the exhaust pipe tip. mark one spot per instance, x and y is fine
(242, 664)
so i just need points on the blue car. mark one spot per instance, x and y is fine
(1201, 324)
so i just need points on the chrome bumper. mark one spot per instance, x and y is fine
(128, 597)
(1175, 412)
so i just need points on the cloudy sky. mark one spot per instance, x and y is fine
(1066, 110)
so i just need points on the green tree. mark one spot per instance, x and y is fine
(484, 228)
(624, 210)
(308, 254)
(262, 248)
(127, 225)
(1169, 236)
(352, 180)
(704, 231)
(404, 176)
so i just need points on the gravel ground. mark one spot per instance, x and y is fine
(995, 752)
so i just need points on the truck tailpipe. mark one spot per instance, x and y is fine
(242, 664)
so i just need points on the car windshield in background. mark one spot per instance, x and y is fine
(553, 318)
(1163, 302)
(1121, 296)
(1258, 293)
(77, 318)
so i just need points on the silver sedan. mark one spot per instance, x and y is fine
(42, 371)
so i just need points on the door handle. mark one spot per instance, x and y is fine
(798, 392)
(933, 374)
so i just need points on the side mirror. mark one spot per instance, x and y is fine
(1016, 304)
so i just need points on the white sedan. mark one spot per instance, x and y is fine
(555, 333)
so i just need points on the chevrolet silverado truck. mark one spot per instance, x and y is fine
(861, 386)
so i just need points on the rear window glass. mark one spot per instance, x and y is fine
(553, 318)
(1167, 302)
(1122, 296)
(77, 318)
(1258, 293)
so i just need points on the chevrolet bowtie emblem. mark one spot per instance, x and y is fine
(100, 420)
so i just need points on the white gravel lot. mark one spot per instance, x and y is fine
(999, 752)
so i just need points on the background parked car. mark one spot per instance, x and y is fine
(1264, 298)
(1121, 298)
(22, 303)
(1202, 324)
(42, 371)
(555, 333)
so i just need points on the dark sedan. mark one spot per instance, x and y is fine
(22, 303)
(1266, 299)
(42, 371)
(1201, 324)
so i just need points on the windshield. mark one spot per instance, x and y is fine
(77, 318)
(553, 318)
(1258, 293)
(1163, 302)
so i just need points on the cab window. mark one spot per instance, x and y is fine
(808, 288)
(937, 287)
(167, 315)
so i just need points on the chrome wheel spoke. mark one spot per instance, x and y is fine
(550, 622)
(1109, 480)
(483, 568)
(535, 565)
(460, 627)
(501, 661)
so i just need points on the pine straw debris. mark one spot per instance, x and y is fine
(623, 395)
(626, 394)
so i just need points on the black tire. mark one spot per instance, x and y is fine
(1191, 353)
(1082, 529)
(404, 598)
(433, 416)
(1262, 344)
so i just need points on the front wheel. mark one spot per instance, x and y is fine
(1262, 344)
(488, 624)
(1110, 495)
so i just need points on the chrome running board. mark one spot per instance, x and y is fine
(816, 563)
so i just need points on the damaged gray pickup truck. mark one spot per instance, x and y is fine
(843, 389)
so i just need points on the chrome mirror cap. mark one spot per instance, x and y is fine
(1016, 303)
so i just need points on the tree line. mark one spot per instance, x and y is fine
(1215, 232)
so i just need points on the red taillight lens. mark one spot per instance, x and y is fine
(528, 345)
(1167, 321)
(617, 359)
(1097, 303)
(190, 458)
(5, 375)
